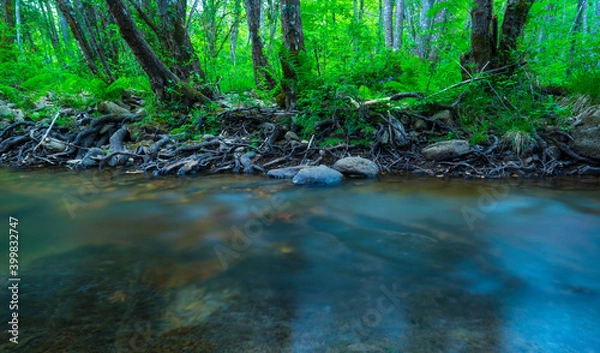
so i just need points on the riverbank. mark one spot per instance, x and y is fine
(256, 139)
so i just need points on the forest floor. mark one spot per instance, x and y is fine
(255, 139)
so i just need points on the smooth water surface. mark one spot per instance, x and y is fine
(127, 263)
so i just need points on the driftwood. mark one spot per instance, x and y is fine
(392, 98)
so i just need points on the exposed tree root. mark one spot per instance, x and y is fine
(253, 140)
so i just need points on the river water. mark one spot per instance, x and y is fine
(115, 262)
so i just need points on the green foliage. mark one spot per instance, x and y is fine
(115, 90)
(507, 108)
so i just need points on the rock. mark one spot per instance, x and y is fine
(290, 135)
(87, 161)
(444, 116)
(586, 137)
(107, 107)
(446, 150)
(285, 173)
(6, 112)
(356, 167)
(320, 175)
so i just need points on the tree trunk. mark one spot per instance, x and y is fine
(93, 43)
(515, 17)
(262, 75)
(165, 84)
(234, 30)
(18, 24)
(482, 41)
(273, 16)
(8, 36)
(64, 28)
(78, 33)
(399, 25)
(293, 41)
(597, 17)
(439, 21)
(361, 10)
(380, 32)
(51, 24)
(387, 23)
(424, 29)
(209, 16)
(177, 41)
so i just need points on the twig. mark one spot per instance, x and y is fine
(47, 131)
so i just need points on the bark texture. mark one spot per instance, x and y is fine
(515, 16)
(262, 75)
(293, 41)
(398, 25)
(165, 84)
(387, 23)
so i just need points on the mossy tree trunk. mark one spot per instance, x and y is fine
(293, 41)
(262, 74)
(488, 49)
(166, 85)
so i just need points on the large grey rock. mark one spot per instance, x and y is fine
(586, 137)
(446, 150)
(285, 173)
(320, 175)
(356, 167)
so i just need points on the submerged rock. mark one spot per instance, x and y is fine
(586, 137)
(285, 173)
(320, 175)
(446, 150)
(356, 167)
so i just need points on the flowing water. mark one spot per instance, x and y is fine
(119, 263)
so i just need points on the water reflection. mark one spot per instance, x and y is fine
(240, 264)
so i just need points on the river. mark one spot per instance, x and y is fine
(116, 262)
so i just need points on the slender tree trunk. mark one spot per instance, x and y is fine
(18, 24)
(361, 12)
(438, 27)
(273, 17)
(380, 32)
(176, 40)
(387, 23)
(424, 29)
(64, 28)
(262, 75)
(94, 45)
(515, 17)
(482, 41)
(577, 27)
(78, 33)
(293, 40)
(165, 84)
(209, 15)
(50, 21)
(399, 25)
(8, 37)
(234, 30)
(597, 17)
